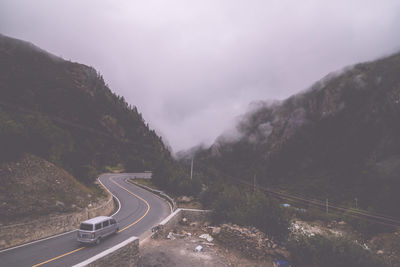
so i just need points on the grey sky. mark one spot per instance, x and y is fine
(192, 66)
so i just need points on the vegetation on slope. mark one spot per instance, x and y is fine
(65, 113)
(337, 141)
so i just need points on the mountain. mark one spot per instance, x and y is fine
(63, 112)
(340, 140)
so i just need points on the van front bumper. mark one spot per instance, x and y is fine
(86, 240)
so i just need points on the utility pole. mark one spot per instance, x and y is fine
(191, 170)
(254, 183)
(327, 206)
(356, 199)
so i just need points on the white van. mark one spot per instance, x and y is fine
(93, 230)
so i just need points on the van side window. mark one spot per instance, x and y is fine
(106, 223)
(112, 221)
(98, 226)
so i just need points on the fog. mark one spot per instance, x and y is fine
(192, 67)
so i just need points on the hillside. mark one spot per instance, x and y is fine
(64, 112)
(340, 140)
(32, 187)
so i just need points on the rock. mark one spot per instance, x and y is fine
(60, 204)
(184, 221)
(250, 241)
(206, 223)
(379, 252)
(215, 231)
(179, 236)
(198, 249)
(342, 223)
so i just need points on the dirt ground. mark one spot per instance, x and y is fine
(179, 250)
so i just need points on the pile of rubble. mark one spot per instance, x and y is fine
(249, 241)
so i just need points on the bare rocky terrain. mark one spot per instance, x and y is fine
(187, 245)
(32, 187)
(232, 245)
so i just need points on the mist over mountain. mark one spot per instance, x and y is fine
(340, 139)
(64, 112)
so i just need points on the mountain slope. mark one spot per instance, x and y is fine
(32, 187)
(64, 112)
(339, 140)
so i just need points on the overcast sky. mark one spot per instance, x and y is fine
(191, 67)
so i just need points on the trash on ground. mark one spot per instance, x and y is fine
(207, 237)
(171, 236)
(198, 248)
(281, 263)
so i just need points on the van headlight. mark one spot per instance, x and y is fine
(92, 236)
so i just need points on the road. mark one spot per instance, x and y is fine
(139, 211)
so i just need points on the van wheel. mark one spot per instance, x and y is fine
(98, 241)
(116, 230)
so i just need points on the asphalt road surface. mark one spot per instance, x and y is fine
(139, 211)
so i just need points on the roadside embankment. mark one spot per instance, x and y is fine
(17, 234)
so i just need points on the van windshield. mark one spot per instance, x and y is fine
(86, 227)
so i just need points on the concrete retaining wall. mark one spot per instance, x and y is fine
(124, 254)
(17, 234)
(169, 223)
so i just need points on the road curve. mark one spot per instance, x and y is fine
(139, 211)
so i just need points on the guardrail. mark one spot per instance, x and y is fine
(156, 192)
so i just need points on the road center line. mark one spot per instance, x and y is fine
(145, 201)
(130, 225)
(63, 255)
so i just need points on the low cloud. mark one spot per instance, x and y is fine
(192, 67)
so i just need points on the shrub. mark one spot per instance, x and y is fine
(256, 209)
(325, 251)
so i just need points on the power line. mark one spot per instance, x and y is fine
(356, 213)
(374, 217)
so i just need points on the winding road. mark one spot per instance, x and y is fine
(139, 211)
